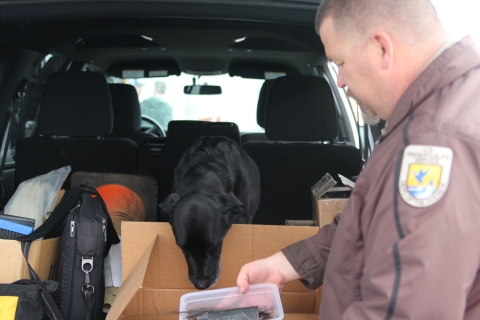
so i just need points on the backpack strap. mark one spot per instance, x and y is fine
(53, 226)
(88, 294)
(51, 309)
(25, 250)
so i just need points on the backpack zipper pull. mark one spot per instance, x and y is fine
(75, 208)
(104, 233)
(87, 266)
(72, 223)
(104, 227)
(87, 289)
(72, 229)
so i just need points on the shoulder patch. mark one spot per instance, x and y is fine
(425, 174)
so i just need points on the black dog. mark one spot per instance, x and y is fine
(216, 184)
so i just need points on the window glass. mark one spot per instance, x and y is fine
(163, 99)
(352, 110)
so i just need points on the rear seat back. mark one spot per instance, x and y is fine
(161, 157)
(183, 133)
(301, 121)
(75, 116)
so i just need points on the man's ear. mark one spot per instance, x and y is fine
(229, 203)
(169, 203)
(384, 49)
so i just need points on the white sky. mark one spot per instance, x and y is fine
(460, 17)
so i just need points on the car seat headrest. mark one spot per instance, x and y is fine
(127, 116)
(76, 104)
(262, 102)
(301, 108)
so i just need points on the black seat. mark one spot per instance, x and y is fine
(75, 116)
(181, 135)
(301, 121)
(261, 112)
(127, 117)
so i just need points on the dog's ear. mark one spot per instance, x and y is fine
(229, 202)
(169, 203)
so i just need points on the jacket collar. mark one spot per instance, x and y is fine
(451, 64)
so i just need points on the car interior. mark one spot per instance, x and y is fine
(67, 94)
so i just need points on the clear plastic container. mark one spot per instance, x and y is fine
(261, 295)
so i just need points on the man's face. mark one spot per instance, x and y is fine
(355, 69)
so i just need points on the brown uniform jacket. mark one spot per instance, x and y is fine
(387, 258)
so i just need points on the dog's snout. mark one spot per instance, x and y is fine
(205, 281)
(202, 285)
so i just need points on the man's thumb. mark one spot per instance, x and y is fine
(243, 288)
(242, 282)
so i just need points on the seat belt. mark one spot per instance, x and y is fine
(17, 104)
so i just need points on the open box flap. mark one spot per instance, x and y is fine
(133, 282)
(166, 276)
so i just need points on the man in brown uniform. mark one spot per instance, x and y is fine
(407, 245)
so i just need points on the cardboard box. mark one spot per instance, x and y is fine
(43, 257)
(300, 223)
(155, 271)
(328, 200)
(327, 209)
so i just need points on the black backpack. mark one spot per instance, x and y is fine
(87, 232)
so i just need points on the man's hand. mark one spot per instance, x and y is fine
(275, 269)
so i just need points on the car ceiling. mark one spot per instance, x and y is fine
(197, 36)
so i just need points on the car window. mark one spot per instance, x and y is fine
(459, 18)
(164, 99)
(353, 113)
(25, 120)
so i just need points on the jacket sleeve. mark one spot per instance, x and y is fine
(424, 262)
(309, 257)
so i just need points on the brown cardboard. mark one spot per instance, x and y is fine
(61, 193)
(43, 257)
(327, 209)
(328, 200)
(299, 223)
(132, 283)
(155, 271)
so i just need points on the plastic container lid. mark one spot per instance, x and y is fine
(261, 295)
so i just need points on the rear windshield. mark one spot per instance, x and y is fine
(164, 99)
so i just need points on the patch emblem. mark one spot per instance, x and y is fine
(425, 174)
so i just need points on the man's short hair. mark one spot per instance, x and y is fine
(361, 15)
(160, 86)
